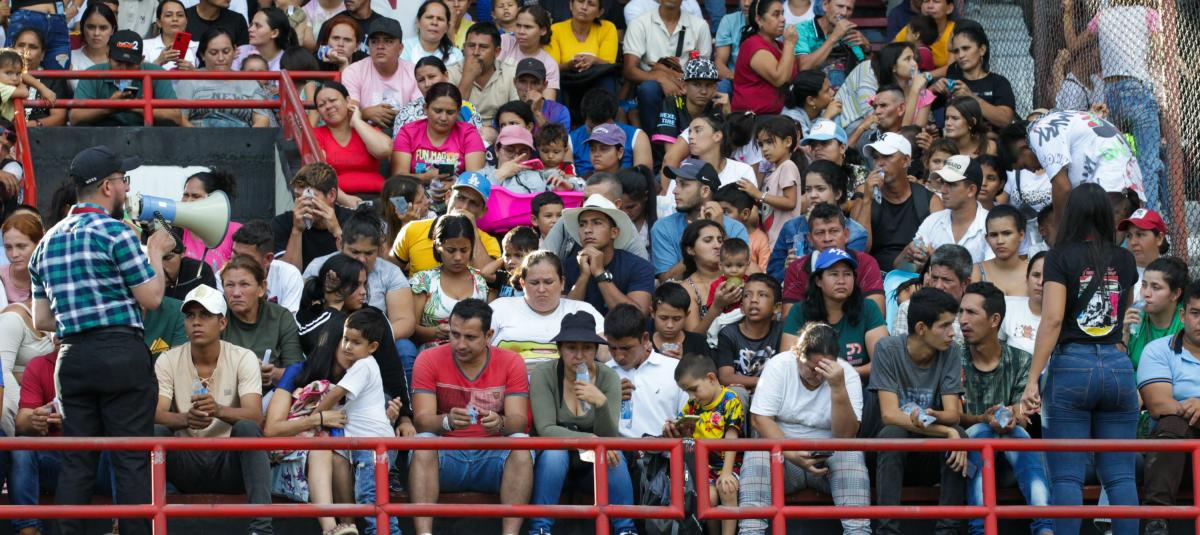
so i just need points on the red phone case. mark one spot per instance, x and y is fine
(182, 41)
(534, 164)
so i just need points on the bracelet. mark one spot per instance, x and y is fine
(322, 415)
(446, 423)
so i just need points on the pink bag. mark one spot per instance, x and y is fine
(506, 209)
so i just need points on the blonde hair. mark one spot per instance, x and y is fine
(816, 338)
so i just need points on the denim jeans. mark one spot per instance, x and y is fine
(54, 27)
(364, 487)
(550, 472)
(471, 470)
(408, 356)
(650, 97)
(1134, 109)
(35, 474)
(1029, 467)
(1090, 392)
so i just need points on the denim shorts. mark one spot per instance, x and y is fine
(472, 470)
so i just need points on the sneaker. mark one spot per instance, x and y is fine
(1156, 527)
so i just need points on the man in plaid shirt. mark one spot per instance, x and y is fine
(90, 278)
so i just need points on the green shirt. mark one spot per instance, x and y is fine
(164, 326)
(1001, 386)
(104, 89)
(275, 330)
(1148, 332)
(851, 337)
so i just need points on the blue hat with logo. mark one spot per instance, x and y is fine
(824, 130)
(827, 258)
(477, 182)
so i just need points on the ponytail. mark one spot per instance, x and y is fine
(758, 8)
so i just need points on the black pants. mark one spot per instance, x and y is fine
(1165, 470)
(893, 468)
(108, 389)
(224, 472)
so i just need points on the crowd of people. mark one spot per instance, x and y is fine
(763, 223)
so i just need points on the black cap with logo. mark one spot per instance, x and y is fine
(97, 163)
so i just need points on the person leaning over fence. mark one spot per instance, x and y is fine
(468, 388)
(994, 377)
(124, 54)
(808, 393)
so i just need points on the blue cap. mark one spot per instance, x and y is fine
(824, 130)
(477, 182)
(827, 258)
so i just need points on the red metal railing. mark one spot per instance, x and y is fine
(291, 108)
(778, 511)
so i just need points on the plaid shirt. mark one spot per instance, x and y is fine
(85, 266)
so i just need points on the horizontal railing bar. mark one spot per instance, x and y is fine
(326, 443)
(183, 75)
(139, 103)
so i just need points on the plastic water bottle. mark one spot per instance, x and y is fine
(1140, 306)
(198, 388)
(926, 419)
(582, 374)
(626, 409)
(473, 413)
(1003, 416)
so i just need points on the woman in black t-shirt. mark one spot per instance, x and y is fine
(971, 78)
(1090, 388)
(339, 288)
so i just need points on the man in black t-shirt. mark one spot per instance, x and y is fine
(743, 348)
(216, 13)
(895, 205)
(314, 227)
(700, 97)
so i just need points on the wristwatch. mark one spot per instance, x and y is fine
(604, 277)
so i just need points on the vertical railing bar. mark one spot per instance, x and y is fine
(158, 488)
(601, 488)
(990, 523)
(147, 100)
(382, 490)
(778, 500)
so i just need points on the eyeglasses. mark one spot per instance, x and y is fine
(124, 178)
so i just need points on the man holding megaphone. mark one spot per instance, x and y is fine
(91, 280)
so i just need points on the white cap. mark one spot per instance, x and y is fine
(208, 297)
(955, 169)
(890, 144)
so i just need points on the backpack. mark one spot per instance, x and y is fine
(655, 485)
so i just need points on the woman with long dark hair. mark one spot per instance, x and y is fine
(436, 291)
(968, 129)
(422, 147)
(339, 288)
(809, 97)
(862, 83)
(353, 147)
(216, 54)
(638, 199)
(973, 77)
(764, 65)
(401, 192)
(432, 37)
(701, 247)
(197, 188)
(97, 27)
(170, 18)
(270, 34)
(1090, 387)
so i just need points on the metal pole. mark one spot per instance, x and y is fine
(990, 524)
(382, 492)
(158, 488)
(601, 488)
(147, 97)
(778, 500)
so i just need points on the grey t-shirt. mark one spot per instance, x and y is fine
(893, 371)
(223, 90)
(386, 277)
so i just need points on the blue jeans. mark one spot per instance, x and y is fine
(35, 474)
(1135, 110)
(470, 470)
(1090, 392)
(54, 27)
(650, 97)
(549, 473)
(364, 487)
(408, 357)
(1030, 470)
(716, 10)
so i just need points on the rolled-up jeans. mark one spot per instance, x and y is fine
(1090, 392)
(1028, 466)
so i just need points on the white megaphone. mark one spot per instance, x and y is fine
(207, 219)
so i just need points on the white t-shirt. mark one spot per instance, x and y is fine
(285, 285)
(1035, 192)
(937, 230)
(793, 19)
(1090, 148)
(153, 46)
(656, 396)
(734, 171)
(636, 8)
(800, 412)
(521, 330)
(1125, 33)
(1020, 325)
(385, 278)
(366, 404)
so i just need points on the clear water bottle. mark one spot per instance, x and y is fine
(582, 374)
(1003, 416)
(1140, 306)
(925, 418)
(198, 388)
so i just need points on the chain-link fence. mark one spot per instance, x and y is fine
(1132, 56)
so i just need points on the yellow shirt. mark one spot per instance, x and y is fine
(414, 245)
(940, 48)
(601, 41)
(461, 38)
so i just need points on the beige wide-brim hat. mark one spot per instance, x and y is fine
(599, 203)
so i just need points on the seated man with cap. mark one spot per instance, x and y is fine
(963, 220)
(211, 388)
(606, 148)
(696, 183)
(514, 146)
(531, 89)
(893, 204)
(469, 195)
(699, 97)
(381, 82)
(124, 54)
(603, 273)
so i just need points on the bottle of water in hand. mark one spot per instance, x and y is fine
(1140, 306)
(582, 374)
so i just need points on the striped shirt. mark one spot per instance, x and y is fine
(85, 266)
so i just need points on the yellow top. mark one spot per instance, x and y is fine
(601, 41)
(940, 48)
(415, 246)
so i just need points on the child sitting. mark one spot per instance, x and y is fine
(552, 144)
(15, 83)
(517, 243)
(923, 33)
(504, 14)
(669, 309)
(514, 170)
(741, 207)
(735, 261)
(368, 411)
(544, 211)
(712, 411)
(745, 347)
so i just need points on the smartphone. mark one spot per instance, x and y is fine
(400, 204)
(182, 41)
(446, 168)
(821, 454)
(131, 91)
(687, 418)
(534, 164)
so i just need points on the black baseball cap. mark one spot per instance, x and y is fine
(97, 163)
(696, 169)
(386, 26)
(532, 66)
(125, 46)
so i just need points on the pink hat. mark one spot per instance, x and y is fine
(514, 135)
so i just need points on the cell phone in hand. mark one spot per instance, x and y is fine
(182, 41)
(687, 418)
(821, 454)
(446, 168)
(534, 164)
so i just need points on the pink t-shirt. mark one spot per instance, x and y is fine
(357, 170)
(216, 258)
(510, 52)
(369, 88)
(436, 372)
(785, 176)
(11, 291)
(413, 138)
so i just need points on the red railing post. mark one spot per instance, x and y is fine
(677, 511)
(147, 99)
(382, 490)
(601, 489)
(1196, 485)
(990, 523)
(29, 184)
(158, 488)
(778, 500)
